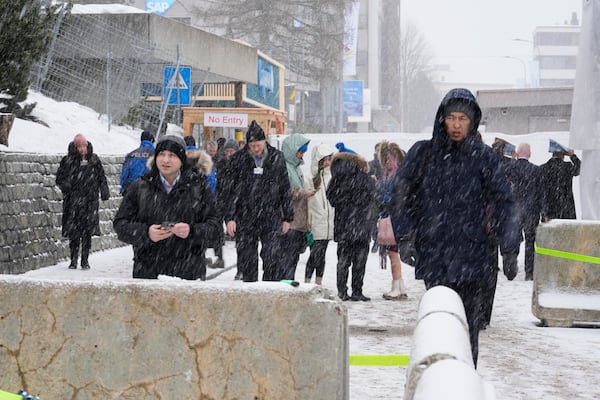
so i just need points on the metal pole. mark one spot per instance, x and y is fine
(46, 63)
(108, 67)
(165, 103)
(524, 68)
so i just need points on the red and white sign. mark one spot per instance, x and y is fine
(226, 120)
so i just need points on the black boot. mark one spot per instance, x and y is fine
(74, 247)
(86, 244)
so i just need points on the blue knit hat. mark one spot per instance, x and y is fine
(343, 149)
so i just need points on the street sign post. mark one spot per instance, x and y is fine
(177, 87)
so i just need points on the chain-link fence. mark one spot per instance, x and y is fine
(107, 62)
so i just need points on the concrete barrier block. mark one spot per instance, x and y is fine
(566, 278)
(442, 299)
(452, 380)
(171, 340)
(438, 336)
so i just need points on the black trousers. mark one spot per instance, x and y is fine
(247, 252)
(351, 254)
(316, 260)
(86, 245)
(490, 289)
(471, 294)
(293, 244)
(528, 225)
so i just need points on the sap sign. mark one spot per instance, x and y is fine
(159, 7)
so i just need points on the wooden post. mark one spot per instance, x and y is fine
(6, 123)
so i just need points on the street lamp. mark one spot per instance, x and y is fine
(535, 64)
(524, 67)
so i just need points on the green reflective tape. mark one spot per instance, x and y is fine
(378, 360)
(567, 255)
(9, 396)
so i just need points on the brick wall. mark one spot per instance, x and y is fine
(31, 211)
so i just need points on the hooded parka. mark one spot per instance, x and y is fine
(351, 192)
(458, 180)
(80, 183)
(290, 147)
(320, 211)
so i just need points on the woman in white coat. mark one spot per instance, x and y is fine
(320, 212)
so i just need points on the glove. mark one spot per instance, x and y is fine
(509, 264)
(408, 252)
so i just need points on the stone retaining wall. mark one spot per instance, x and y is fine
(31, 211)
(150, 340)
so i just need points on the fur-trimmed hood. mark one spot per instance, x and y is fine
(348, 163)
(202, 161)
(195, 158)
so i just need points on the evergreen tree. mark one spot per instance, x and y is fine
(25, 35)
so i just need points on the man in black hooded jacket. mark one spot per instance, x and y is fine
(448, 189)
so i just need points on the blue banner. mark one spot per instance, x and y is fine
(353, 98)
(159, 7)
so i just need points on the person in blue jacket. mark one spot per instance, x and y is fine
(443, 188)
(134, 165)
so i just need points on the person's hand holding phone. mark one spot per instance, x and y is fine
(180, 229)
(160, 232)
(167, 229)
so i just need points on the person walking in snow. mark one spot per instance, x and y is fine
(442, 189)
(258, 205)
(202, 163)
(294, 242)
(390, 156)
(376, 171)
(80, 177)
(320, 212)
(168, 215)
(134, 165)
(351, 192)
(527, 186)
(558, 184)
(223, 168)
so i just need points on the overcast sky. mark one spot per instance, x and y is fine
(473, 36)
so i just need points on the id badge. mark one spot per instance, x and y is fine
(258, 171)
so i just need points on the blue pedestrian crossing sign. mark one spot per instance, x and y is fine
(177, 85)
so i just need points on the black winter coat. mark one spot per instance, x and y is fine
(146, 202)
(258, 199)
(527, 187)
(459, 179)
(558, 184)
(80, 183)
(352, 193)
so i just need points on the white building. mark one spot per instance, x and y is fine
(555, 54)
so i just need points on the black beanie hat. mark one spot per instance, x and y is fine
(459, 105)
(146, 135)
(174, 144)
(255, 133)
(189, 141)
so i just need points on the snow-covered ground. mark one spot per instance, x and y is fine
(519, 358)
(522, 360)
